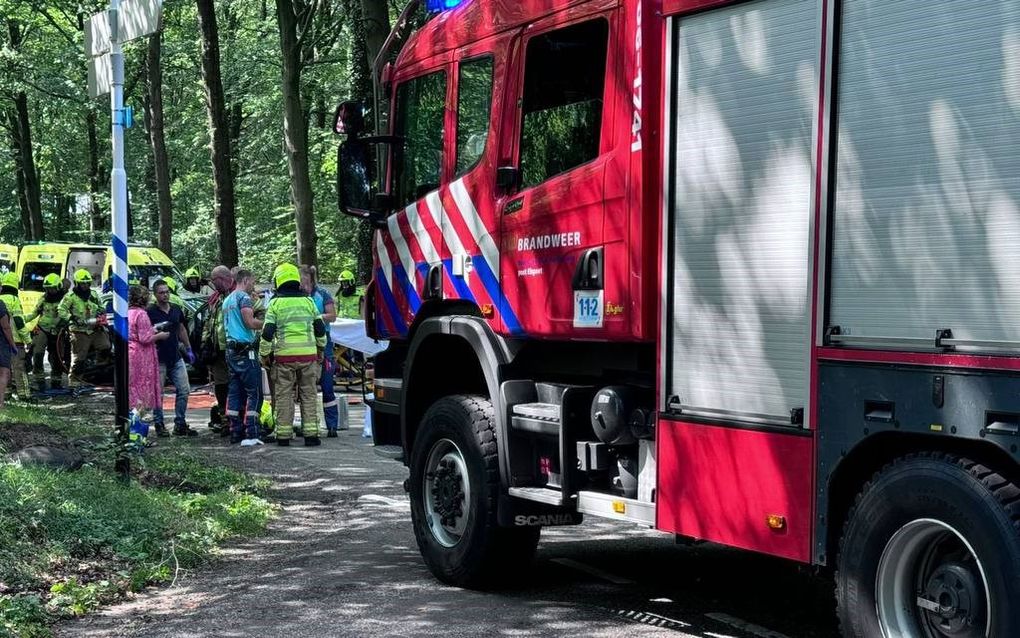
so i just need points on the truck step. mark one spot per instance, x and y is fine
(540, 411)
(536, 418)
(540, 495)
(550, 392)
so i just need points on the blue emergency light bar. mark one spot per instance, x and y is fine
(435, 6)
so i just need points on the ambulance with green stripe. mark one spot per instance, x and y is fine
(38, 260)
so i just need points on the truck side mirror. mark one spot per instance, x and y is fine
(357, 185)
(349, 118)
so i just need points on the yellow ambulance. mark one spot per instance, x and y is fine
(38, 260)
(8, 258)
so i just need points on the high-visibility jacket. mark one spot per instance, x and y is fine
(293, 331)
(21, 334)
(347, 307)
(78, 312)
(48, 313)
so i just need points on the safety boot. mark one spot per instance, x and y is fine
(182, 429)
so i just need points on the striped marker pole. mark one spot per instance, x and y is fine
(118, 197)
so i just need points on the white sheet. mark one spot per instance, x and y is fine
(350, 333)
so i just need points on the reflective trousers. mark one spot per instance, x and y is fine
(304, 377)
(19, 377)
(45, 344)
(81, 345)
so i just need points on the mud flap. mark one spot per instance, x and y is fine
(514, 512)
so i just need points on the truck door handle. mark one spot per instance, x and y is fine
(588, 274)
(434, 282)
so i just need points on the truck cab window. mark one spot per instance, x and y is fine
(419, 120)
(474, 99)
(564, 75)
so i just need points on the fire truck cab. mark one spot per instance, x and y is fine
(743, 272)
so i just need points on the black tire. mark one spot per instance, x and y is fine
(926, 509)
(484, 555)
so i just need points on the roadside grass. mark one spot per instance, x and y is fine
(19, 413)
(72, 541)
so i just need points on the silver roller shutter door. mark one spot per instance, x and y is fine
(745, 94)
(927, 210)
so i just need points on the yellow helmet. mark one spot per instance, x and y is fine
(171, 283)
(52, 280)
(285, 273)
(82, 276)
(346, 276)
(9, 280)
(192, 273)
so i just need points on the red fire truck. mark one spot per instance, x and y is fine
(744, 272)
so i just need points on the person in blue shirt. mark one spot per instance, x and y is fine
(326, 306)
(245, 389)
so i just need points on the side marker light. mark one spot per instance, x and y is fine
(776, 522)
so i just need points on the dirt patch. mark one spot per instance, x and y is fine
(158, 480)
(17, 436)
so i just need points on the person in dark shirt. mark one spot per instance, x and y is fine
(169, 318)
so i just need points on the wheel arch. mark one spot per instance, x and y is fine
(452, 355)
(874, 452)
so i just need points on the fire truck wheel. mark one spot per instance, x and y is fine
(931, 549)
(454, 488)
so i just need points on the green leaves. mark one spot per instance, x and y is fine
(50, 67)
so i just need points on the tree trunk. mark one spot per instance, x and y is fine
(236, 123)
(150, 169)
(96, 222)
(61, 215)
(158, 143)
(130, 218)
(19, 177)
(320, 110)
(223, 178)
(29, 177)
(295, 132)
(375, 17)
(21, 135)
(372, 26)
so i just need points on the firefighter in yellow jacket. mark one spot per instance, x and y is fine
(293, 339)
(44, 337)
(22, 338)
(86, 319)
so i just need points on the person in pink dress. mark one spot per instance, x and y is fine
(144, 391)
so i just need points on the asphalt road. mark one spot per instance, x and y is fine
(341, 561)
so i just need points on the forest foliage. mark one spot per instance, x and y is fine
(44, 106)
